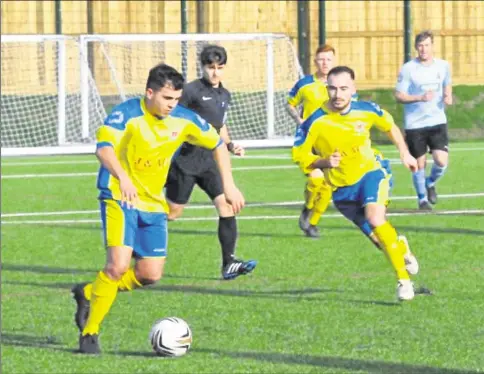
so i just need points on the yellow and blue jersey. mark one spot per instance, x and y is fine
(325, 132)
(145, 144)
(310, 92)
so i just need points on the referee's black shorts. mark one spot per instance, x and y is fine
(425, 139)
(179, 184)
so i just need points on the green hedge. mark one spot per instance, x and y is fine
(38, 126)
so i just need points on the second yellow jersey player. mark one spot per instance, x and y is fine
(336, 139)
(310, 92)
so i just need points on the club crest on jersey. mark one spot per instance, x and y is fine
(360, 127)
(174, 134)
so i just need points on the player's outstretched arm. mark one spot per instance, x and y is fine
(108, 159)
(232, 194)
(396, 137)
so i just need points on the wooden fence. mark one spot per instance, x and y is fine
(367, 35)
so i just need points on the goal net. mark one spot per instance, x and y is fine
(41, 96)
(56, 90)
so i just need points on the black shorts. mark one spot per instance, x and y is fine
(179, 184)
(432, 138)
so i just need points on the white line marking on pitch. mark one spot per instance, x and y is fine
(92, 174)
(70, 175)
(274, 156)
(214, 218)
(209, 206)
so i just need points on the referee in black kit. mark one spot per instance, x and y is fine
(194, 165)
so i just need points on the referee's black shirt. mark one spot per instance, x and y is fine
(210, 103)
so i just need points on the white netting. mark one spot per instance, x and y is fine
(53, 103)
(122, 66)
(32, 101)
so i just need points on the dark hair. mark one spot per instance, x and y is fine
(424, 35)
(162, 75)
(342, 69)
(213, 54)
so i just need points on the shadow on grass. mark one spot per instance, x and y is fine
(173, 229)
(336, 363)
(294, 295)
(42, 269)
(24, 340)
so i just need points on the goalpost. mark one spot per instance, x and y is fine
(56, 90)
(41, 96)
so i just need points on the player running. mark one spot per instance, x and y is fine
(339, 134)
(135, 146)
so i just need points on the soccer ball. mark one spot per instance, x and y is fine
(171, 337)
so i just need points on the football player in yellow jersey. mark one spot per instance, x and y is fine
(310, 92)
(135, 146)
(336, 139)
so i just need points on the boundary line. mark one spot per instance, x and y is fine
(210, 206)
(247, 218)
(255, 156)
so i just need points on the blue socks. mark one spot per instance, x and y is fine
(419, 184)
(435, 174)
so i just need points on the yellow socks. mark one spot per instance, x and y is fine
(128, 282)
(387, 236)
(321, 203)
(103, 294)
(311, 193)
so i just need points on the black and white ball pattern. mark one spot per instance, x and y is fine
(171, 337)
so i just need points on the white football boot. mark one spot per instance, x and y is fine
(411, 263)
(405, 290)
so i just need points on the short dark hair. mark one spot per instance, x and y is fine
(162, 75)
(420, 37)
(213, 54)
(342, 69)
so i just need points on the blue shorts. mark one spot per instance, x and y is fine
(145, 232)
(373, 187)
(385, 164)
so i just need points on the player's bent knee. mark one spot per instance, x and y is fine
(115, 271)
(150, 275)
(224, 209)
(375, 214)
(316, 173)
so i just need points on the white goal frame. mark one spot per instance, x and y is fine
(85, 85)
(61, 92)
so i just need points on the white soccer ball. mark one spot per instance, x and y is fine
(171, 337)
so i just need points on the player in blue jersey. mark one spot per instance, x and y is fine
(135, 146)
(424, 87)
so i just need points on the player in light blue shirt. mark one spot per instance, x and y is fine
(424, 87)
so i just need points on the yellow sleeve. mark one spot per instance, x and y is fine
(203, 135)
(302, 150)
(295, 96)
(384, 121)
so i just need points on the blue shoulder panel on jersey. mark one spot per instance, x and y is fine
(303, 129)
(308, 79)
(122, 113)
(182, 112)
(367, 106)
